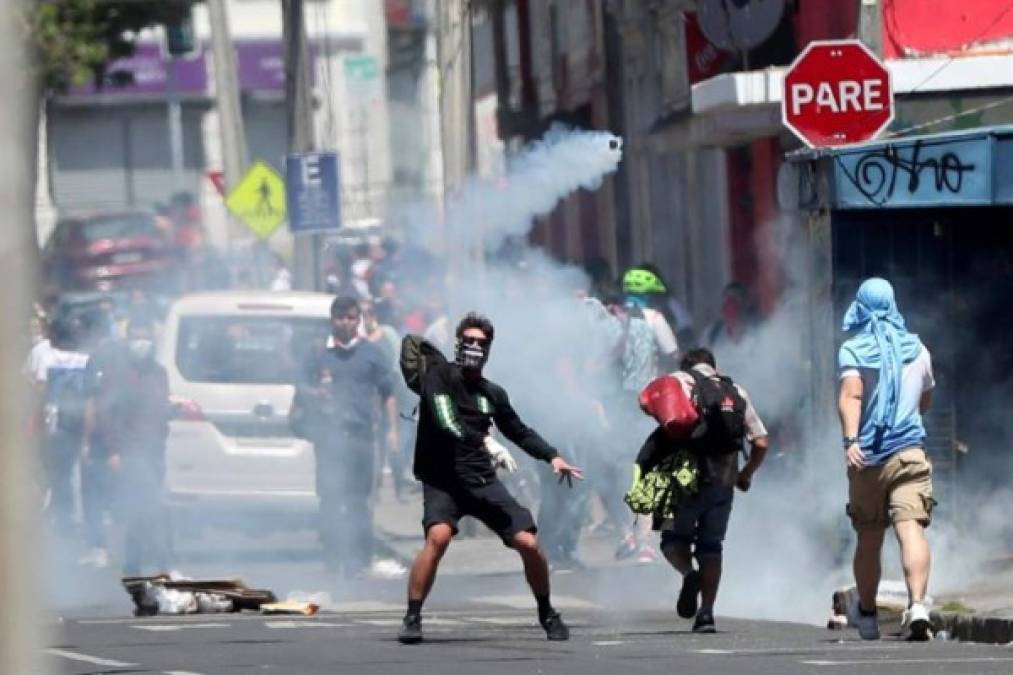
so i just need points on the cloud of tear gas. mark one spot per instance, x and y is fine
(560, 163)
(487, 212)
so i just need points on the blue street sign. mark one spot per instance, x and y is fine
(313, 191)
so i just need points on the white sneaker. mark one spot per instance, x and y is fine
(387, 569)
(867, 625)
(916, 623)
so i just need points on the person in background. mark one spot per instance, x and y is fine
(701, 520)
(637, 363)
(389, 305)
(638, 287)
(282, 279)
(336, 404)
(132, 411)
(33, 368)
(659, 296)
(582, 424)
(61, 373)
(361, 269)
(886, 387)
(108, 353)
(740, 316)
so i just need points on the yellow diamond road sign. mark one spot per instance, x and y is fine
(259, 200)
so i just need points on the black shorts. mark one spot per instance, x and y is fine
(492, 504)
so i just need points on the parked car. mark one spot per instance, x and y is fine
(232, 359)
(109, 251)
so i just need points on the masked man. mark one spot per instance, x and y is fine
(452, 459)
(132, 413)
(886, 386)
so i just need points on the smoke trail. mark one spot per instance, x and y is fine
(561, 162)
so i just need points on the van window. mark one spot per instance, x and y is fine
(246, 350)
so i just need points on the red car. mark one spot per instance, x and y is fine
(114, 250)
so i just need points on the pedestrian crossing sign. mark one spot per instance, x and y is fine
(259, 200)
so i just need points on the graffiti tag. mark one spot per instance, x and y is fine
(878, 174)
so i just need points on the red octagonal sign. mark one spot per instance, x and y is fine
(836, 92)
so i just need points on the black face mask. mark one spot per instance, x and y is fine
(471, 353)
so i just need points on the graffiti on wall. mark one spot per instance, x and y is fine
(911, 174)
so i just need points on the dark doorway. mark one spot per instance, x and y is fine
(952, 270)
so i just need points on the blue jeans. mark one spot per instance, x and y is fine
(701, 522)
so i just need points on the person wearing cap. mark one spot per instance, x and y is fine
(886, 386)
(638, 287)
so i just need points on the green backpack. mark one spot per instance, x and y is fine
(658, 492)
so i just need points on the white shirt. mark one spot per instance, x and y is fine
(663, 335)
(37, 362)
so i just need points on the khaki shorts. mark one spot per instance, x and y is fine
(899, 490)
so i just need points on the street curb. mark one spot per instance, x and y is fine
(971, 628)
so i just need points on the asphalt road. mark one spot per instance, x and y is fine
(483, 638)
(480, 619)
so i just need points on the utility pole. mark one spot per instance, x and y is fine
(456, 112)
(20, 517)
(301, 137)
(870, 25)
(235, 156)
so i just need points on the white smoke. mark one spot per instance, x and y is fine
(546, 171)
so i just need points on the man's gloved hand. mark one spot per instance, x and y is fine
(501, 457)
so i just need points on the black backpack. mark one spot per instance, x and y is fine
(418, 355)
(722, 426)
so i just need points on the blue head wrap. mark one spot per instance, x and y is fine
(882, 342)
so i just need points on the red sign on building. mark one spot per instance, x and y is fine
(836, 92)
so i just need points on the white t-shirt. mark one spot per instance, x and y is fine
(58, 359)
(36, 364)
(663, 335)
(907, 430)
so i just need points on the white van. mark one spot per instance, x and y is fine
(232, 358)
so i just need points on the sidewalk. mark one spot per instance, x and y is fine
(983, 612)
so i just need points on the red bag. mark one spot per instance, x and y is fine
(665, 400)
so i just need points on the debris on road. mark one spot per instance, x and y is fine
(290, 607)
(172, 594)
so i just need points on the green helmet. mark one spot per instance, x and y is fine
(640, 281)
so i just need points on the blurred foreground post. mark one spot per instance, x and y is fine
(20, 618)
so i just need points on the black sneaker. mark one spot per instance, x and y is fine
(411, 630)
(686, 606)
(704, 622)
(554, 627)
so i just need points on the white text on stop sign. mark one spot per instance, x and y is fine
(860, 96)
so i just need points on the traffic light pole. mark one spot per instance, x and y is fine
(175, 115)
